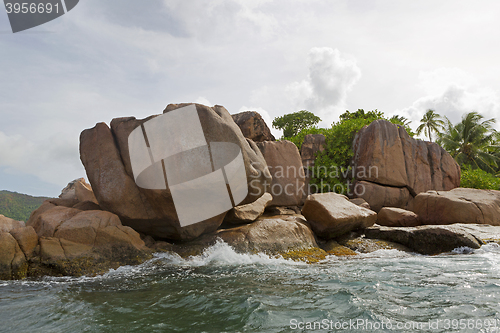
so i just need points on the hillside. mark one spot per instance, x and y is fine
(18, 206)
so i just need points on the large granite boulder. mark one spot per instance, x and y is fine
(288, 178)
(385, 155)
(253, 126)
(278, 235)
(12, 258)
(378, 196)
(397, 217)
(460, 205)
(331, 215)
(77, 242)
(17, 244)
(105, 155)
(271, 235)
(27, 239)
(428, 239)
(313, 143)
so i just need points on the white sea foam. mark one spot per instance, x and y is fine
(386, 253)
(463, 250)
(223, 254)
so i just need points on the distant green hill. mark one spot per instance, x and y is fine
(18, 206)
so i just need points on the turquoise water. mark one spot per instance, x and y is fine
(222, 291)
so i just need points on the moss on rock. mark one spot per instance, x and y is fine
(308, 255)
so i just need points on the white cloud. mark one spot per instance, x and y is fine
(331, 76)
(452, 92)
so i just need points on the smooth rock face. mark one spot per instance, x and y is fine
(11, 257)
(426, 239)
(397, 217)
(153, 212)
(249, 212)
(331, 215)
(379, 196)
(386, 156)
(312, 144)
(17, 244)
(270, 235)
(47, 222)
(7, 224)
(253, 126)
(288, 179)
(83, 192)
(83, 227)
(460, 205)
(27, 239)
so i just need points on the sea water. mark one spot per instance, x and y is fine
(223, 291)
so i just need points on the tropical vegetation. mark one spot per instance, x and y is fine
(431, 122)
(473, 143)
(331, 171)
(293, 123)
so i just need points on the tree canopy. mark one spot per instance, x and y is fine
(293, 123)
(472, 142)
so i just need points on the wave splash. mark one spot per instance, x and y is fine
(223, 254)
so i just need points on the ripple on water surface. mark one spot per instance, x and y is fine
(223, 291)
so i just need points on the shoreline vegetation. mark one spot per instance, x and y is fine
(473, 142)
(425, 197)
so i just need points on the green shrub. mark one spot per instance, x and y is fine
(480, 179)
(332, 172)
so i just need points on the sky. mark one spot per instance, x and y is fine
(115, 58)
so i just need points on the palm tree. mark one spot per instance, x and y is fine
(400, 120)
(431, 123)
(472, 142)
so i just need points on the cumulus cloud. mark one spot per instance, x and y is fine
(331, 76)
(451, 92)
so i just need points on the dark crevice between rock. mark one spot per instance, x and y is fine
(412, 192)
(431, 165)
(62, 247)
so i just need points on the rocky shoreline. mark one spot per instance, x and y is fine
(412, 203)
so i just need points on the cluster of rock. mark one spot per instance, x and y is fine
(411, 204)
(393, 167)
(69, 235)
